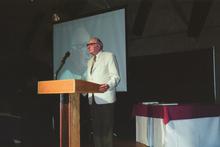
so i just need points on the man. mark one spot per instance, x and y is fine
(102, 69)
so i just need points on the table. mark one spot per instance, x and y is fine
(186, 125)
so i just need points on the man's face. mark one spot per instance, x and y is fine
(93, 47)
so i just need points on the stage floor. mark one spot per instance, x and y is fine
(119, 143)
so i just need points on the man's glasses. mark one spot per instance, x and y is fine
(88, 44)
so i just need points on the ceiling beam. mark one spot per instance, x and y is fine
(144, 9)
(199, 13)
(177, 7)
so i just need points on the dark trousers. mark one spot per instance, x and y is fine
(102, 124)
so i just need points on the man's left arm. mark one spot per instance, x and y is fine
(113, 72)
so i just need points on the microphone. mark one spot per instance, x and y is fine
(67, 54)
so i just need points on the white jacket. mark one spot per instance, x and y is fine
(105, 71)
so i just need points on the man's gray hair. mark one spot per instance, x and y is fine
(98, 41)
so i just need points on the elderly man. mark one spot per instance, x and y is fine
(102, 69)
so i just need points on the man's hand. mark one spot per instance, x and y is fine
(103, 87)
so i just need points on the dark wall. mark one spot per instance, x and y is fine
(176, 77)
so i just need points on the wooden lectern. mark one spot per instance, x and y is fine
(69, 106)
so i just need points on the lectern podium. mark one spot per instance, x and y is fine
(69, 106)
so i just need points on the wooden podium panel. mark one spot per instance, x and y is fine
(66, 86)
(69, 106)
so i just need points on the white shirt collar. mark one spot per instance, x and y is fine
(98, 55)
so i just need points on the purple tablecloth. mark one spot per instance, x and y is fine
(176, 112)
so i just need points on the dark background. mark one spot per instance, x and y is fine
(181, 77)
(160, 65)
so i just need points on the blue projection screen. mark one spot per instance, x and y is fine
(72, 36)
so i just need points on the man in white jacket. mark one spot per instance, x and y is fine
(102, 69)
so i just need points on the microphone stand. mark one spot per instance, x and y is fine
(67, 54)
(64, 98)
(58, 70)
